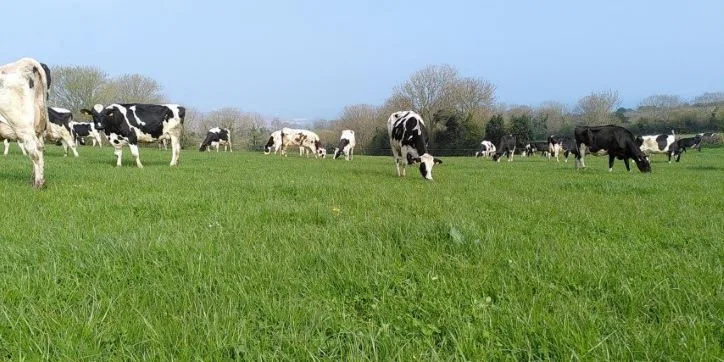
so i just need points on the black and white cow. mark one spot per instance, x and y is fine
(567, 146)
(689, 142)
(133, 123)
(300, 137)
(59, 129)
(274, 143)
(660, 143)
(408, 140)
(217, 137)
(554, 147)
(537, 146)
(81, 130)
(24, 88)
(346, 145)
(615, 141)
(506, 146)
(487, 149)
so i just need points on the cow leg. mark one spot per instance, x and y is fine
(625, 162)
(7, 148)
(34, 148)
(175, 149)
(135, 154)
(118, 151)
(581, 157)
(611, 158)
(72, 148)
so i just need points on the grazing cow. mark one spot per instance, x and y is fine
(24, 88)
(506, 146)
(300, 137)
(487, 149)
(346, 145)
(554, 147)
(615, 141)
(134, 123)
(661, 143)
(408, 140)
(536, 146)
(59, 129)
(81, 130)
(274, 142)
(689, 142)
(322, 152)
(215, 138)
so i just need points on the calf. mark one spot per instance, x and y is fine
(346, 145)
(59, 129)
(24, 88)
(661, 143)
(615, 141)
(215, 138)
(487, 149)
(300, 137)
(408, 140)
(81, 130)
(506, 146)
(274, 142)
(133, 123)
(554, 147)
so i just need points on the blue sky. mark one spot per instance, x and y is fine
(309, 59)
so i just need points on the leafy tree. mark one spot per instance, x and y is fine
(495, 129)
(520, 126)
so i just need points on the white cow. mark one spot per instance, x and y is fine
(302, 138)
(23, 111)
(346, 145)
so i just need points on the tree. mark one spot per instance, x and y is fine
(658, 107)
(135, 88)
(520, 126)
(495, 129)
(362, 119)
(77, 87)
(597, 108)
(709, 98)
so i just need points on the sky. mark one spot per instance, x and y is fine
(309, 59)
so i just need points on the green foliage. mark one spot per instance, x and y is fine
(495, 129)
(252, 257)
(458, 136)
(520, 125)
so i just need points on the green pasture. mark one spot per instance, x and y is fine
(248, 256)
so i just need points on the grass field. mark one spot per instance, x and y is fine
(252, 257)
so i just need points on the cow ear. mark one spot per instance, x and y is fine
(412, 160)
(436, 160)
(86, 112)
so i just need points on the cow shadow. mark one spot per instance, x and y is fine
(705, 168)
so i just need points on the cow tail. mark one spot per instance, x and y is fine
(182, 113)
(42, 81)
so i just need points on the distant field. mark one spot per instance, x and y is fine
(252, 257)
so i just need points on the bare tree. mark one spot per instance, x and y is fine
(135, 88)
(555, 115)
(709, 98)
(660, 106)
(362, 119)
(76, 87)
(597, 108)
(430, 90)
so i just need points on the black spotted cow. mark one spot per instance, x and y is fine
(217, 137)
(304, 139)
(506, 147)
(274, 143)
(133, 123)
(660, 143)
(59, 129)
(346, 145)
(24, 88)
(408, 140)
(615, 141)
(82, 130)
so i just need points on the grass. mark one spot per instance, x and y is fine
(253, 257)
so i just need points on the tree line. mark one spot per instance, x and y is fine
(459, 111)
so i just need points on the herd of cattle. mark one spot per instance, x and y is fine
(26, 118)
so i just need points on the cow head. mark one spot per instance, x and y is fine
(642, 163)
(426, 162)
(99, 113)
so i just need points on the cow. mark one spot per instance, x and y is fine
(217, 137)
(536, 146)
(487, 149)
(689, 142)
(274, 142)
(322, 152)
(506, 146)
(300, 137)
(346, 145)
(615, 141)
(408, 140)
(81, 130)
(59, 129)
(567, 146)
(661, 143)
(554, 148)
(132, 123)
(24, 88)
